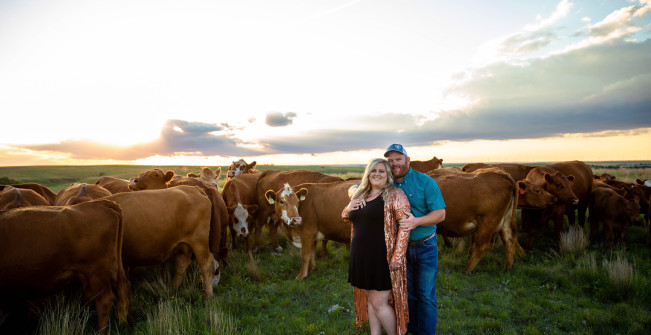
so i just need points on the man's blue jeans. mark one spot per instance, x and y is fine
(422, 264)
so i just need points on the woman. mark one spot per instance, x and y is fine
(377, 268)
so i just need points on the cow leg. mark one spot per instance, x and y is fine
(261, 221)
(324, 249)
(182, 259)
(99, 289)
(583, 206)
(273, 232)
(481, 244)
(608, 234)
(446, 242)
(509, 247)
(529, 220)
(207, 266)
(233, 237)
(307, 255)
(594, 225)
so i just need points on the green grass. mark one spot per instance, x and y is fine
(548, 292)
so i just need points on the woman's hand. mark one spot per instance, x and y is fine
(355, 204)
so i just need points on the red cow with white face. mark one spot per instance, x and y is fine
(285, 202)
(241, 167)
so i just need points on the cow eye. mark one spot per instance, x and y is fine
(282, 202)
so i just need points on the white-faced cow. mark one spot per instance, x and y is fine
(241, 199)
(240, 167)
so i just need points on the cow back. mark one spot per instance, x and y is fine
(517, 171)
(12, 197)
(43, 190)
(80, 192)
(425, 166)
(114, 185)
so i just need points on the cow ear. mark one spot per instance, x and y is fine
(571, 179)
(252, 209)
(218, 172)
(522, 186)
(252, 164)
(271, 196)
(231, 209)
(301, 194)
(193, 175)
(548, 178)
(169, 175)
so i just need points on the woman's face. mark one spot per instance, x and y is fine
(378, 176)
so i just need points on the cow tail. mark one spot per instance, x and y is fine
(514, 227)
(124, 287)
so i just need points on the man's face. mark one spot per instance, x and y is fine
(399, 164)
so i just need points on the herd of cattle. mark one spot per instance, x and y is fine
(89, 233)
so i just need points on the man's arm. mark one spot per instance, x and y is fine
(434, 217)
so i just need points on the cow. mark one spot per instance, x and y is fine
(241, 200)
(240, 167)
(274, 180)
(80, 192)
(157, 179)
(47, 248)
(43, 190)
(165, 223)
(425, 166)
(645, 182)
(614, 211)
(207, 175)
(480, 204)
(571, 183)
(637, 192)
(114, 185)
(517, 171)
(313, 211)
(12, 197)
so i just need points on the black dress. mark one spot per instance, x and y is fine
(368, 268)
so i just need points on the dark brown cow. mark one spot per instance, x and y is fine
(275, 180)
(240, 167)
(44, 249)
(44, 191)
(241, 199)
(208, 176)
(615, 212)
(161, 224)
(480, 204)
(80, 192)
(114, 185)
(517, 171)
(318, 217)
(631, 191)
(12, 197)
(155, 179)
(570, 183)
(425, 166)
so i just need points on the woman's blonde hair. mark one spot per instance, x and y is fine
(364, 188)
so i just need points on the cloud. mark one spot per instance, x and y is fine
(278, 119)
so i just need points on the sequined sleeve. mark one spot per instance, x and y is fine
(400, 206)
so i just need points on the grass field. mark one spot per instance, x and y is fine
(587, 291)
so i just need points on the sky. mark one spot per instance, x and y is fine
(323, 82)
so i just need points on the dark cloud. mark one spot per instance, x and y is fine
(278, 119)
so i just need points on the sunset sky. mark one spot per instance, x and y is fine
(323, 82)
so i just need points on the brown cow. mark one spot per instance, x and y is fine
(44, 249)
(318, 217)
(80, 192)
(517, 171)
(425, 166)
(207, 175)
(114, 185)
(241, 199)
(274, 180)
(615, 211)
(559, 180)
(174, 222)
(44, 191)
(637, 192)
(480, 204)
(240, 167)
(12, 197)
(155, 179)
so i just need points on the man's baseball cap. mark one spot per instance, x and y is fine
(396, 147)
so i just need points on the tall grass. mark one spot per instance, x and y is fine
(575, 239)
(621, 273)
(65, 315)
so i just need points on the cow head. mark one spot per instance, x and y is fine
(239, 167)
(630, 210)
(241, 217)
(607, 178)
(560, 186)
(532, 196)
(151, 180)
(207, 175)
(285, 203)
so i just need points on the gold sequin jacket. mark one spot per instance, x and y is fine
(396, 240)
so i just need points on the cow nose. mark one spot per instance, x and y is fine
(296, 220)
(575, 201)
(244, 232)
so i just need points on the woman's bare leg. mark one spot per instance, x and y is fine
(378, 301)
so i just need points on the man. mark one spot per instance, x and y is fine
(428, 209)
